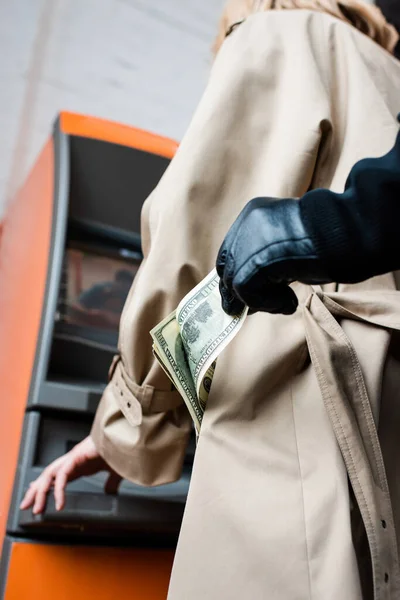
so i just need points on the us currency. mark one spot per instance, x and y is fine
(188, 342)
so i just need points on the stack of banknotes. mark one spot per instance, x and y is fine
(188, 342)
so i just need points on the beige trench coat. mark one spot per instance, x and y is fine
(295, 98)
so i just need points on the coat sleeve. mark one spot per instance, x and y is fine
(257, 131)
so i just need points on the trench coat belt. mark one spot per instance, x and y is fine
(346, 400)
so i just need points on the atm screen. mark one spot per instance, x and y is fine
(93, 292)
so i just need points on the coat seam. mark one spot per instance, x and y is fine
(302, 496)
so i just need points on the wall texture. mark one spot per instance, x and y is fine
(141, 62)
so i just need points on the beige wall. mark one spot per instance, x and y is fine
(142, 62)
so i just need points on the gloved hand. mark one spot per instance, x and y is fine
(265, 250)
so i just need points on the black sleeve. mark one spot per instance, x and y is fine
(357, 233)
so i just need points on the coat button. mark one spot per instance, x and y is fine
(383, 523)
(128, 404)
(386, 577)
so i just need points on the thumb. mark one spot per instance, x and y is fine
(112, 483)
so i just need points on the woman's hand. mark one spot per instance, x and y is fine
(82, 460)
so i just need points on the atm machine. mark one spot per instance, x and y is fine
(69, 250)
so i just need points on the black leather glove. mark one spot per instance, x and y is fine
(266, 249)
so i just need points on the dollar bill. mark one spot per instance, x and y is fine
(188, 342)
(169, 350)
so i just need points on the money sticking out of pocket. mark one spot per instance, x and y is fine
(188, 342)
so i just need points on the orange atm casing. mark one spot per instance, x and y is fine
(39, 570)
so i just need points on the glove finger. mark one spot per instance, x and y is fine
(226, 259)
(264, 296)
(231, 304)
(288, 301)
(221, 259)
